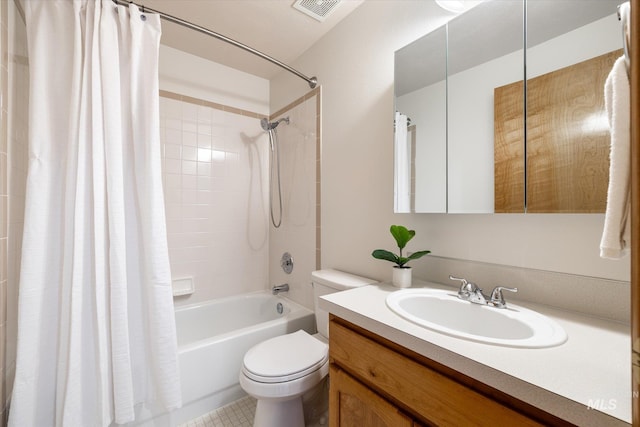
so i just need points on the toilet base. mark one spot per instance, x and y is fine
(286, 413)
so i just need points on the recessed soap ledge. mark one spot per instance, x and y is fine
(586, 380)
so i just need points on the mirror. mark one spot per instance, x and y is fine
(421, 125)
(479, 136)
(485, 51)
(567, 155)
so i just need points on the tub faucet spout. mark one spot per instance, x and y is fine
(280, 288)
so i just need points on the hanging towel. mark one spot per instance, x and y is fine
(402, 165)
(616, 236)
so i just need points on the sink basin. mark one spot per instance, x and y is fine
(442, 311)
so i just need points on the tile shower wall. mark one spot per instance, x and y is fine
(14, 72)
(299, 233)
(215, 172)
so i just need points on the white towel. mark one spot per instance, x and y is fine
(402, 166)
(616, 236)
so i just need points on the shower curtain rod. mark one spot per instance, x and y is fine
(312, 81)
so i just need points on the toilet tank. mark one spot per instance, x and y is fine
(327, 282)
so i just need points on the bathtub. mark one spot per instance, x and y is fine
(213, 338)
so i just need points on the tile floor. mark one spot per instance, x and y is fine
(236, 414)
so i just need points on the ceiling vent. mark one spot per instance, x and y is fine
(317, 9)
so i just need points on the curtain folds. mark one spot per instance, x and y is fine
(402, 156)
(96, 330)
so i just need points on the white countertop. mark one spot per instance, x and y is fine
(586, 380)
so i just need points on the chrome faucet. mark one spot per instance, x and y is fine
(469, 291)
(472, 293)
(276, 289)
(497, 299)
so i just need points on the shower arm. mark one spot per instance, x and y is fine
(312, 81)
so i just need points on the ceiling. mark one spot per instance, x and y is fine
(273, 27)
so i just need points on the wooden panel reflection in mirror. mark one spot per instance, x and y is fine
(509, 148)
(567, 139)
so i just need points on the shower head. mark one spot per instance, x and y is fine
(264, 122)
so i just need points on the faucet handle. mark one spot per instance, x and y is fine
(466, 287)
(463, 283)
(497, 299)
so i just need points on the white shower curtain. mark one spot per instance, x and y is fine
(402, 155)
(96, 330)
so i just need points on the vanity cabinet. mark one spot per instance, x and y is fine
(375, 382)
(360, 406)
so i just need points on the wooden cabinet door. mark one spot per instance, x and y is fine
(354, 405)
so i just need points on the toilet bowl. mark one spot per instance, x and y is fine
(280, 370)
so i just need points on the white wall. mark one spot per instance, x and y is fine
(190, 75)
(354, 65)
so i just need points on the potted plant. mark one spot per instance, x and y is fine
(401, 271)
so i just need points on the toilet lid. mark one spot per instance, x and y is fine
(285, 358)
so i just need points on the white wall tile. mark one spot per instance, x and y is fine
(173, 136)
(172, 151)
(189, 167)
(173, 167)
(189, 182)
(212, 237)
(204, 169)
(173, 123)
(189, 153)
(189, 138)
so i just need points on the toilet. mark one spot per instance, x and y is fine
(280, 370)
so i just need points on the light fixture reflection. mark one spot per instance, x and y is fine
(595, 123)
(457, 6)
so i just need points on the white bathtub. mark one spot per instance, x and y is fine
(213, 338)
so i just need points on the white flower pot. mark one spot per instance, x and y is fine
(401, 277)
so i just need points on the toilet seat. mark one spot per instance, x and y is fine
(285, 358)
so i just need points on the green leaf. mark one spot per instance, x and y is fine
(385, 255)
(417, 255)
(402, 261)
(402, 235)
